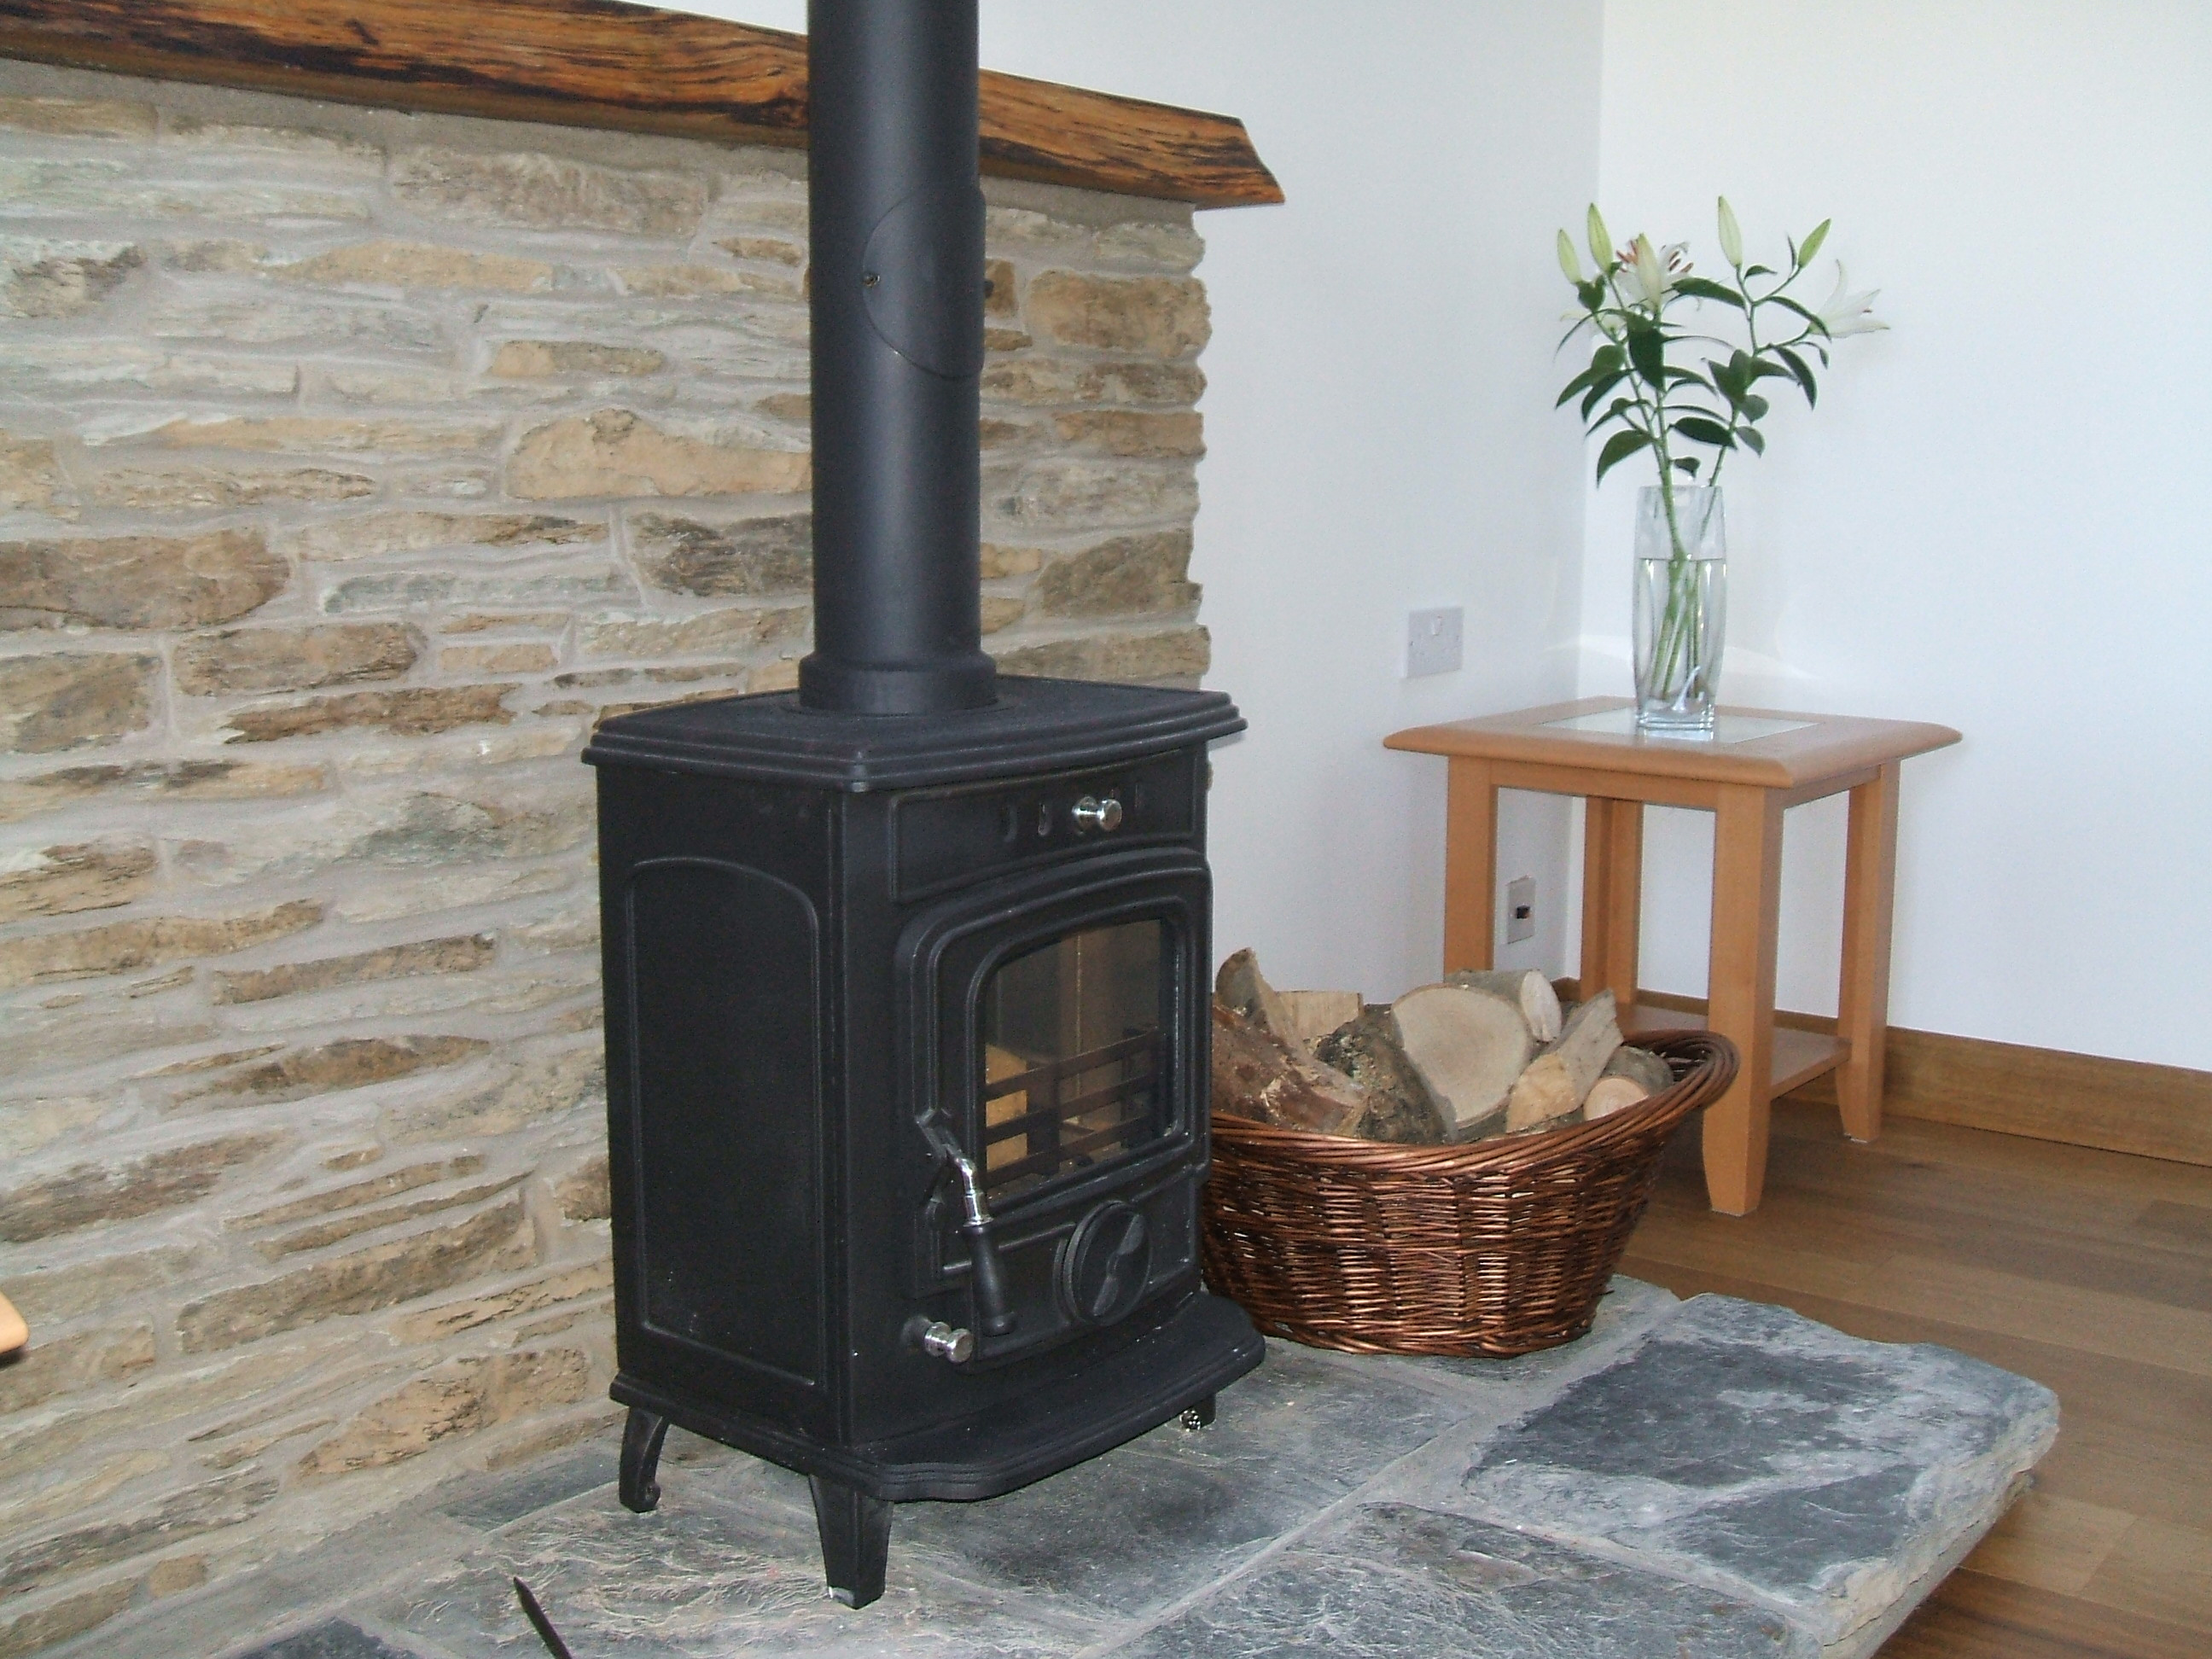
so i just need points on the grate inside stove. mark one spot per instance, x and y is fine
(1074, 1057)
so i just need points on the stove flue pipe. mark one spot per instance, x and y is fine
(897, 309)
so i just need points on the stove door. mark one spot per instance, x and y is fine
(1056, 1028)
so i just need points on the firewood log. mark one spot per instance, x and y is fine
(1400, 1108)
(1543, 1094)
(1539, 1002)
(1612, 1094)
(1468, 1048)
(1244, 988)
(1257, 1078)
(1315, 1014)
(1641, 1064)
(1559, 1080)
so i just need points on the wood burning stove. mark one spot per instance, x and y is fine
(906, 984)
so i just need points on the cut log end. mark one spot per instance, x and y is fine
(1468, 1047)
(1612, 1094)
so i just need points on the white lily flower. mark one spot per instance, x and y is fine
(1844, 312)
(1655, 271)
(1650, 275)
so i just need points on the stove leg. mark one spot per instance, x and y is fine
(856, 1540)
(1200, 1416)
(640, 1456)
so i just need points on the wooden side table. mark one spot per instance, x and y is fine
(1758, 764)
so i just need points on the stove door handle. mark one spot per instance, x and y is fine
(987, 1274)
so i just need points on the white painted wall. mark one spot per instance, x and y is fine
(1375, 425)
(1995, 518)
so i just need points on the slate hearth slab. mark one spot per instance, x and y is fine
(1747, 1448)
(1708, 1478)
(1396, 1581)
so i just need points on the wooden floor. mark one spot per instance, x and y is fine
(2088, 1271)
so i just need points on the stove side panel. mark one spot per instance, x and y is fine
(717, 915)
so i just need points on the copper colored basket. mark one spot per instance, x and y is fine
(1499, 1248)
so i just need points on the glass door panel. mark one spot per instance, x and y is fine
(1075, 1054)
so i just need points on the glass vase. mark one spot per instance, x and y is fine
(1681, 608)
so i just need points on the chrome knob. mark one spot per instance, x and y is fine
(950, 1343)
(1092, 813)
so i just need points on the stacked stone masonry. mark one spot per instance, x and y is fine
(352, 464)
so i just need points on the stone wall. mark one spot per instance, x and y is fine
(351, 465)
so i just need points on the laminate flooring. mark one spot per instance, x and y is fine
(2088, 1271)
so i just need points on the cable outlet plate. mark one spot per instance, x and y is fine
(1520, 909)
(1433, 641)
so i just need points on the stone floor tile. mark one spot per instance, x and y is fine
(1749, 1448)
(334, 1638)
(701, 1579)
(1627, 1312)
(490, 1502)
(1130, 1531)
(1391, 1580)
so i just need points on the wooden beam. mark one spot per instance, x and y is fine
(630, 68)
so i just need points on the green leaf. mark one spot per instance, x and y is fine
(1611, 380)
(1700, 430)
(1753, 406)
(1751, 440)
(1731, 385)
(1813, 242)
(1618, 448)
(1699, 287)
(1788, 304)
(1591, 294)
(1688, 464)
(1759, 271)
(1608, 356)
(1647, 349)
(1620, 410)
(1582, 382)
(1804, 375)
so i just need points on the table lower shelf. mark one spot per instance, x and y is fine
(1799, 1055)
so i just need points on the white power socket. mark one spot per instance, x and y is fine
(1433, 641)
(1520, 909)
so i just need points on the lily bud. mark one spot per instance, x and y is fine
(1601, 243)
(1731, 238)
(1568, 262)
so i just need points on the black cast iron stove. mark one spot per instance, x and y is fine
(905, 971)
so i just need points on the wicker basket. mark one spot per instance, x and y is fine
(1499, 1248)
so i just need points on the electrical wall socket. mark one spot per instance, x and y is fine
(1520, 909)
(1433, 641)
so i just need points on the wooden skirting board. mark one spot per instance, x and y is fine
(2047, 1094)
(626, 67)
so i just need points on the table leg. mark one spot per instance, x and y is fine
(1746, 906)
(1613, 897)
(1863, 1006)
(1470, 867)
